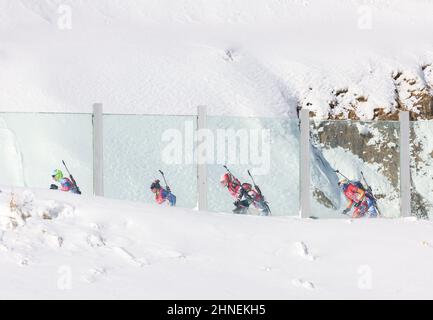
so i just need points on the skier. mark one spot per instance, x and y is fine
(244, 195)
(163, 196)
(66, 185)
(357, 195)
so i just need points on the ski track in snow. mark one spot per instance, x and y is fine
(303, 284)
(129, 257)
(94, 275)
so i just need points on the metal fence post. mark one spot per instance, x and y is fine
(305, 171)
(405, 181)
(98, 150)
(202, 167)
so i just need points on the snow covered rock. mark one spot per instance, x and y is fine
(53, 209)
(414, 93)
(303, 284)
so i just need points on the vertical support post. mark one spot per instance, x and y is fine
(201, 164)
(305, 171)
(98, 150)
(405, 181)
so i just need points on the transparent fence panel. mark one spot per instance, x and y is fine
(422, 168)
(136, 147)
(353, 147)
(32, 145)
(269, 146)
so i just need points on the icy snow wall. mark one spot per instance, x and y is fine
(33, 145)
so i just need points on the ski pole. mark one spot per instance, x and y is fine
(228, 170)
(66, 167)
(251, 176)
(72, 177)
(338, 172)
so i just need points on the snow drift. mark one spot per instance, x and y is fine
(61, 246)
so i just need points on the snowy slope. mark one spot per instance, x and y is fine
(95, 248)
(236, 56)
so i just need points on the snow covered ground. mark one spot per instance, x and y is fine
(77, 247)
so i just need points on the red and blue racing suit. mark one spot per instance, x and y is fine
(363, 201)
(245, 195)
(163, 196)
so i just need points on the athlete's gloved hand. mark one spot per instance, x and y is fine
(54, 187)
(168, 189)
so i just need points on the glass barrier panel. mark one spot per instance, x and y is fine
(269, 147)
(32, 145)
(422, 168)
(365, 154)
(137, 146)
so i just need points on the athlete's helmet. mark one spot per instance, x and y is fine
(155, 185)
(226, 179)
(343, 183)
(57, 175)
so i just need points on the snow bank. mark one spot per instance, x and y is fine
(67, 246)
(33, 145)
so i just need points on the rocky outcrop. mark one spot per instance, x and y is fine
(371, 142)
(413, 93)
